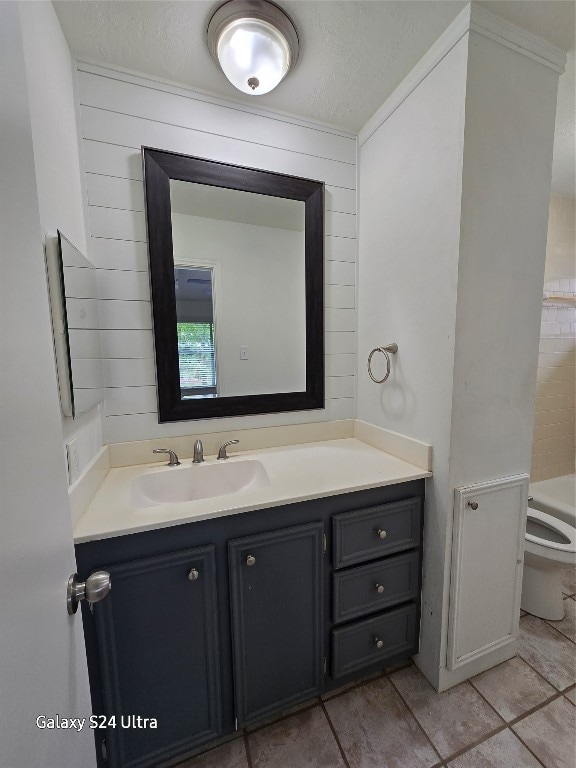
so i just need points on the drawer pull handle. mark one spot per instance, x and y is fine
(378, 643)
(473, 505)
(381, 533)
(250, 560)
(193, 575)
(379, 588)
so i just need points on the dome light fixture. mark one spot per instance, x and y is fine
(254, 43)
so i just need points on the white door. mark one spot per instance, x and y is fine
(486, 580)
(42, 656)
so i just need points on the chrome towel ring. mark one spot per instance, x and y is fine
(389, 348)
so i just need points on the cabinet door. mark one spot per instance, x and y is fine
(487, 553)
(277, 618)
(158, 648)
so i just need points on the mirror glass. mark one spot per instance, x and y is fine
(239, 279)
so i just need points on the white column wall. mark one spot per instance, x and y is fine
(410, 189)
(453, 198)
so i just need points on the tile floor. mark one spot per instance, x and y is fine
(521, 714)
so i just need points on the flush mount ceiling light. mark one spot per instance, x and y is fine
(254, 43)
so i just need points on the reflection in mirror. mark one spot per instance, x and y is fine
(239, 271)
(75, 326)
(195, 328)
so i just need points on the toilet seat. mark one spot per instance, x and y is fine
(552, 550)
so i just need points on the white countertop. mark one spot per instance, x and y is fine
(296, 472)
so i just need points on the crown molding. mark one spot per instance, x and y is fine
(495, 28)
(476, 19)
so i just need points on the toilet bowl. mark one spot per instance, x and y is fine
(550, 547)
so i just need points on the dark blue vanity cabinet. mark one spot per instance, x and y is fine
(159, 654)
(276, 581)
(227, 622)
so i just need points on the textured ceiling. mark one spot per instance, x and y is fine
(353, 52)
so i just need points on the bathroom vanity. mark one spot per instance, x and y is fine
(224, 622)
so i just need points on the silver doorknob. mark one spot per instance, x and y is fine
(473, 505)
(94, 589)
(193, 575)
(250, 560)
(379, 588)
(381, 533)
(378, 643)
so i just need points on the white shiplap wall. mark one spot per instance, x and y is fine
(120, 113)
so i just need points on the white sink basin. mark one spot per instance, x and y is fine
(179, 484)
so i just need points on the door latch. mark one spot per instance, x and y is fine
(94, 589)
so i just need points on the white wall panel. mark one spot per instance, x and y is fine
(340, 342)
(340, 365)
(340, 249)
(119, 255)
(116, 224)
(121, 113)
(116, 284)
(145, 426)
(340, 273)
(342, 296)
(125, 315)
(126, 343)
(133, 372)
(190, 111)
(114, 192)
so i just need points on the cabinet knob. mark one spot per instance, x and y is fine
(473, 505)
(379, 588)
(378, 643)
(193, 575)
(381, 533)
(250, 560)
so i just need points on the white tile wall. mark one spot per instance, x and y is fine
(119, 114)
(553, 449)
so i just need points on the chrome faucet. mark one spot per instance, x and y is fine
(198, 457)
(173, 461)
(222, 452)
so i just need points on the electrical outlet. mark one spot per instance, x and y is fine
(243, 353)
(73, 455)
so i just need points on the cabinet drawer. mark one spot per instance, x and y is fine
(367, 534)
(371, 588)
(355, 647)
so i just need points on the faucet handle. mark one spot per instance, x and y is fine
(222, 452)
(173, 461)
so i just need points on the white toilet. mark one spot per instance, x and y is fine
(550, 547)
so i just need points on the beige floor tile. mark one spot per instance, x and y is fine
(282, 715)
(304, 740)
(453, 719)
(549, 652)
(503, 750)
(512, 688)
(376, 730)
(549, 733)
(231, 755)
(571, 696)
(569, 581)
(568, 624)
(348, 686)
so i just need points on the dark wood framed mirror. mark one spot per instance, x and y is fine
(237, 279)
